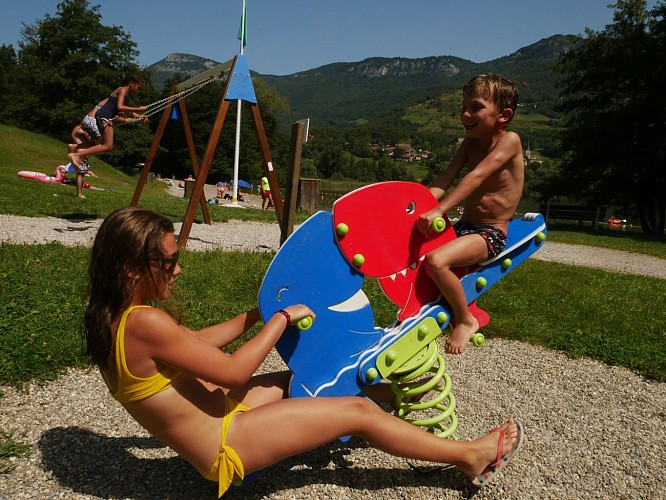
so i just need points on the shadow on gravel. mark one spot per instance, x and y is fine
(108, 467)
(80, 217)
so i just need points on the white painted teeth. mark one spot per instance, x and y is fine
(412, 266)
(353, 303)
(395, 275)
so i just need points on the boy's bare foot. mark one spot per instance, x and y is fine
(461, 335)
(494, 450)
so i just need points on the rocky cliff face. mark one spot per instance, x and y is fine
(381, 67)
(184, 64)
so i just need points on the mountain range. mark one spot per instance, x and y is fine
(345, 94)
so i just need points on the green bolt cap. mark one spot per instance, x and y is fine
(342, 229)
(481, 282)
(372, 374)
(506, 263)
(478, 339)
(442, 318)
(359, 259)
(423, 331)
(540, 237)
(391, 355)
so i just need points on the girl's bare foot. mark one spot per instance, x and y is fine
(489, 446)
(461, 335)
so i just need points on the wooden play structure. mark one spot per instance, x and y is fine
(238, 87)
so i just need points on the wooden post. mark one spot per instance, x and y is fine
(293, 174)
(156, 144)
(193, 158)
(596, 217)
(308, 194)
(151, 154)
(269, 171)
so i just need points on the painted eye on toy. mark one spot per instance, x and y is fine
(411, 207)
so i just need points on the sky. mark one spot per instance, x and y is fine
(288, 36)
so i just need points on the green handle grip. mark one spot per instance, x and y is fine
(304, 323)
(438, 224)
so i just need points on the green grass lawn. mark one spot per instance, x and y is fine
(649, 244)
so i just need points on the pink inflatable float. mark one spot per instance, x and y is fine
(46, 179)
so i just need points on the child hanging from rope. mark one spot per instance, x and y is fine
(98, 124)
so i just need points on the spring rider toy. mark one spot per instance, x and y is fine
(371, 232)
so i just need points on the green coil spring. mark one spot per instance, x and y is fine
(412, 382)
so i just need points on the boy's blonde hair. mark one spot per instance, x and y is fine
(500, 90)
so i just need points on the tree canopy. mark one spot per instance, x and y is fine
(615, 131)
(66, 63)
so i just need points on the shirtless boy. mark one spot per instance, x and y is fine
(489, 192)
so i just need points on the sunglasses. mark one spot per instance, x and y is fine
(168, 264)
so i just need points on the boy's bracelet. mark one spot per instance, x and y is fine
(285, 314)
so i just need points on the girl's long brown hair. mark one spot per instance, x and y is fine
(126, 242)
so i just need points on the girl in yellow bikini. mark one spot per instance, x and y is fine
(207, 405)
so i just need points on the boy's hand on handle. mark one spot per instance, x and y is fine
(427, 221)
(438, 224)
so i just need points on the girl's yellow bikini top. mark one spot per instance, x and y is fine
(131, 388)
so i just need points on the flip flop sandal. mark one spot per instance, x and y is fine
(502, 459)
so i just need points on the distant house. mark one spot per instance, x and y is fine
(531, 158)
(407, 152)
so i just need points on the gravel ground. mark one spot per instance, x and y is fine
(232, 235)
(593, 431)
